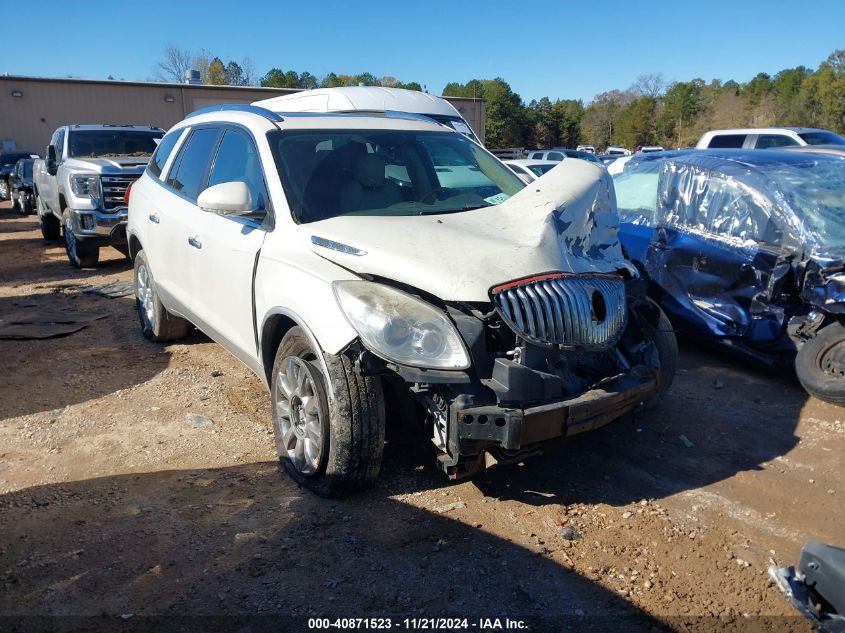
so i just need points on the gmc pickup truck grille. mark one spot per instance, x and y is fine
(114, 189)
(564, 310)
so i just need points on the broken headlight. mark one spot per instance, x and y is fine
(399, 327)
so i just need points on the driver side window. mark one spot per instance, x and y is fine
(727, 208)
(237, 160)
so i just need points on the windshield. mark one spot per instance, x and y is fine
(328, 173)
(816, 189)
(822, 137)
(539, 170)
(27, 168)
(8, 160)
(120, 143)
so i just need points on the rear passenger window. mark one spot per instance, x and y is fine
(237, 161)
(555, 156)
(727, 141)
(189, 171)
(163, 151)
(766, 141)
(537, 156)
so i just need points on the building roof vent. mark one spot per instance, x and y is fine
(192, 77)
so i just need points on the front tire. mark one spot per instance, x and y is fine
(331, 445)
(660, 332)
(51, 230)
(157, 324)
(79, 254)
(820, 364)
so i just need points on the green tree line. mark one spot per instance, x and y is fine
(650, 112)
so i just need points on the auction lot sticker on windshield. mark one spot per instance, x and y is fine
(460, 126)
(499, 198)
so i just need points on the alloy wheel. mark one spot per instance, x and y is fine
(145, 295)
(300, 413)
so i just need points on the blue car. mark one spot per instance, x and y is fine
(746, 248)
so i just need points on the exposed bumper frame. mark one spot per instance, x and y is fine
(518, 428)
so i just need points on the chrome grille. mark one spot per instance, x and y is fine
(114, 190)
(564, 310)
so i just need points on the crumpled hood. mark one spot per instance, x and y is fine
(565, 221)
(113, 165)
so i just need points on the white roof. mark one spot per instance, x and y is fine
(373, 98)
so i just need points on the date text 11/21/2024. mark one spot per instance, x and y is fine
(431, 624)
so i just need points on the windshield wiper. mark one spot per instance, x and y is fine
(466, 208)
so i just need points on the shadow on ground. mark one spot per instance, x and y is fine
(107, 355)
(716, 421)
(244, 540)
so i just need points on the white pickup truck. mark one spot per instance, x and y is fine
(81, 185)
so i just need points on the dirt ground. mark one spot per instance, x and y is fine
(115, 503)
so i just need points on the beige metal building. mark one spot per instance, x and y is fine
(31, 108)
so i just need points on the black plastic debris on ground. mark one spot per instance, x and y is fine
(111, 290)
(43, 324)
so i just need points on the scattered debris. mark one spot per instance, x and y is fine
(627, 514)
(718, 384)
(450, 506)
(216, 373)
(199, 421)
(112, 290)
(569, 533)
(45, 324)
(686, 441)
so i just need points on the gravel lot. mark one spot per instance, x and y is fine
(115, 502)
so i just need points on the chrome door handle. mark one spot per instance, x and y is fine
(194, 242)
(154, 218)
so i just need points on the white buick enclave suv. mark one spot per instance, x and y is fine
(383, 265)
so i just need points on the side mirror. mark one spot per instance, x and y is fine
(227, 198)
(50, 162)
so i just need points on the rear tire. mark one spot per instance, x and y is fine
(662, 334)
(79, 254)
(331, 445)
(820, 364)
(157, 324)
(15, 204)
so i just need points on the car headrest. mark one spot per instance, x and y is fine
(369, 170)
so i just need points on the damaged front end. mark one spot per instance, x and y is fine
(551, 355)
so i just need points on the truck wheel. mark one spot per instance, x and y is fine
(50, 227)
(662, 334)
(26, 204)
(157, 324)
(79, 254)
(14, 202)
(332, 445)
(820, 364)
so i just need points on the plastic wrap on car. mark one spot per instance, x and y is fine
(745, 227)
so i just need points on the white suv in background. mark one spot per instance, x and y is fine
(372, 265)
(767, 137)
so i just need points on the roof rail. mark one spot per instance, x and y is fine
(275, 117)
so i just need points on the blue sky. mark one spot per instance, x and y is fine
(556, 49)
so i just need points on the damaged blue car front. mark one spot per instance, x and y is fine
(747, 248)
